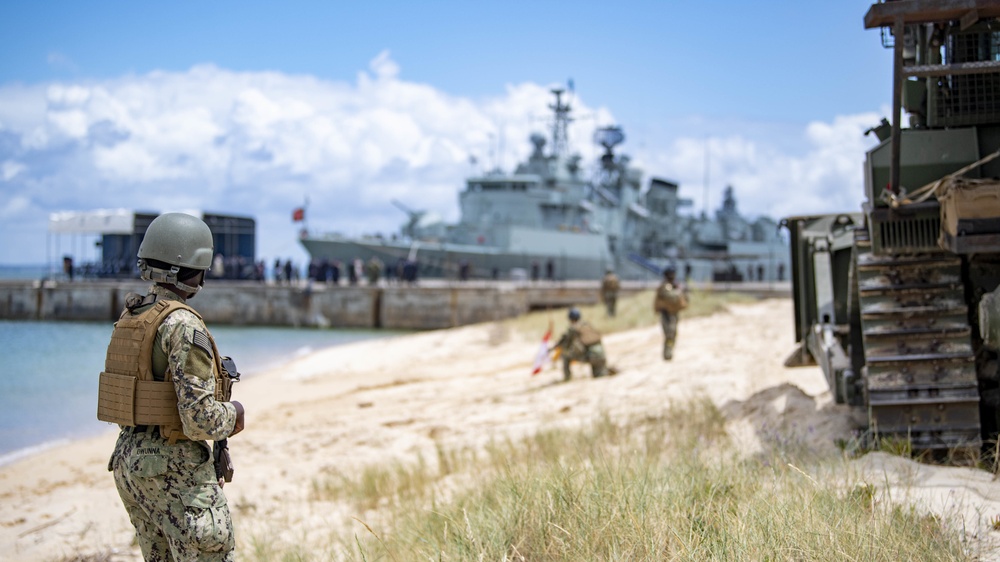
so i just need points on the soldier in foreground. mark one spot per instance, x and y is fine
(167, 386)
(609, 291)
(669, 301)
(582, 342)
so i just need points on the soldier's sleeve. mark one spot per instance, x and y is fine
(189, 360)
(562, 340)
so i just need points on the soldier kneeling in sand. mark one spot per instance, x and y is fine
(582, 342)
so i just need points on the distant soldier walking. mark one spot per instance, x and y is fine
(582, 342)
(669, 301)
(373, 270)
(168, 388)
(609, 291)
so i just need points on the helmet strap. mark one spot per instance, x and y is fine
(167, 276)
(191, 288)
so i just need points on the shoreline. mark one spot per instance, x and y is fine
(345, 408)
(27, 452)
(50, 395)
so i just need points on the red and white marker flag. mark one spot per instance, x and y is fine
(543, 352)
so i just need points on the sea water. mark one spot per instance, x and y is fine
(27, 272)
(49, 372)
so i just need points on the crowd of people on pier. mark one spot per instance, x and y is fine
(358, 271)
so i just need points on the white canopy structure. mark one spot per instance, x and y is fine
(100, 221)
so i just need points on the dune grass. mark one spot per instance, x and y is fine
(667, 487)
(653, 488)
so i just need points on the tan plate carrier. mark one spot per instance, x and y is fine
(588, 334)
(127, 394)
(669, 300)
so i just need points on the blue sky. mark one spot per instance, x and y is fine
(250, 107)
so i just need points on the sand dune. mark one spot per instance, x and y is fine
(350, 406)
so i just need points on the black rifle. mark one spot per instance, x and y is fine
(223, 462)
(220, 451)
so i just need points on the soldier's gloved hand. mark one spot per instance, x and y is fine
(239, 418)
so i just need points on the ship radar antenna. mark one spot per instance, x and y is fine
(609, 137)
(611, 173)
(560, 138)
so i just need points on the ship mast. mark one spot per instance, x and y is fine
(560, 139)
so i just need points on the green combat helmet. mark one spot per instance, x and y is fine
(175, 242)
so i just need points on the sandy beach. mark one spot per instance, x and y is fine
(378, 401)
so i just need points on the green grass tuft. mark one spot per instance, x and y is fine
(657, 488)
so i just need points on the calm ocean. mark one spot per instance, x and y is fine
(29, 272)
(48, 387)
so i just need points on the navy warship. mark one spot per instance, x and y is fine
(552, 218)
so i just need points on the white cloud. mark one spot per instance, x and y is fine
(260, 143)
(384, 67)
(10, 169)
(14, 206)
(825, 175)
(71, 123)
(72, 95)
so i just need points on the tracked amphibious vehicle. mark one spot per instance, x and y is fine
(898, 302)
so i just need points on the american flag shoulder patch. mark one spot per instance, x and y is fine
(201, 340)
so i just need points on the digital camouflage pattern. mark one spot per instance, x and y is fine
(171, 492)
(609, 292)
(574, 349)
(669, 300)
(669, 324)
(172, 498)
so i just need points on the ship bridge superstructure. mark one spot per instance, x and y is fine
(578, 220)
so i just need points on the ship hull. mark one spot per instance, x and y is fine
(436, 259)
(755, 262)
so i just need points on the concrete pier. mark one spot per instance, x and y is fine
(430, 305)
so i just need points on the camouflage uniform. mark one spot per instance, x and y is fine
(170, 491)
(609, 292)
(373, 270)
(668, 292)
(573, 349)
